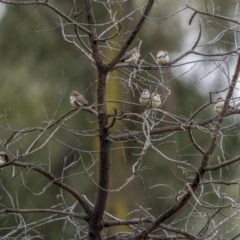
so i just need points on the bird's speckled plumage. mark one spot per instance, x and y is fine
(78, 100)
(218, 107)
(156, 99)
(132, 56)
(162, 57)
(144, 97)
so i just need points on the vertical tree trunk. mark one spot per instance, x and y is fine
(95, 225)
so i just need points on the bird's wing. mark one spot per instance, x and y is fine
(144, 96)
(219, 104)
(125, 57)
(81, 100)
(85, 102)
(161, 55)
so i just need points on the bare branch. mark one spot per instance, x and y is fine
(211, 15)
(132, 36)
(50, 176)
(194, 142)
(217, 166)
(45, 3)
(93, 33)
(32, 210)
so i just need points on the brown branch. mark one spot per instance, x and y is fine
(220, 182)
(179, 231)
(127, 222)
(145, 220)
(197, 111)
(96, 217)
(225, 163)
(75, 10)
(113, 120)
(194, 142)
(93, 33)
(113, 36)
(178, 127)
(212, 15)
(205, 204)
(236, 237)
(201, 54)
(98, 210)
(95, 223)
(81, 41)
(14, 210)
(50, 176)
(192, 17)
(199, 35)
(53, 123)
(170, 237)
(231, 88)
(76, 29)
(204, 230)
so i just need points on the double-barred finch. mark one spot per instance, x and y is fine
(78, 100)
(144, 97)
(156, 99)
(131, 56)
(218, 107)
(162, 57)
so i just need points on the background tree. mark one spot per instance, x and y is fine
(119, 170)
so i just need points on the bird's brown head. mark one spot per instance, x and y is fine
(74, 93)
(136, 49)
(145, 91)
(156, 94)
(219, 99)
(163, 52)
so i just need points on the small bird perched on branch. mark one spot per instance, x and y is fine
(131, 56)
(156, 99)
(162, 57)
(78, 100)
(218, 107)
(144, 97)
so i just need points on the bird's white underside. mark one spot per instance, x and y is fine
(144, 101)
(132, 59)
(156, 101)
(162, 60)
(218, 107)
